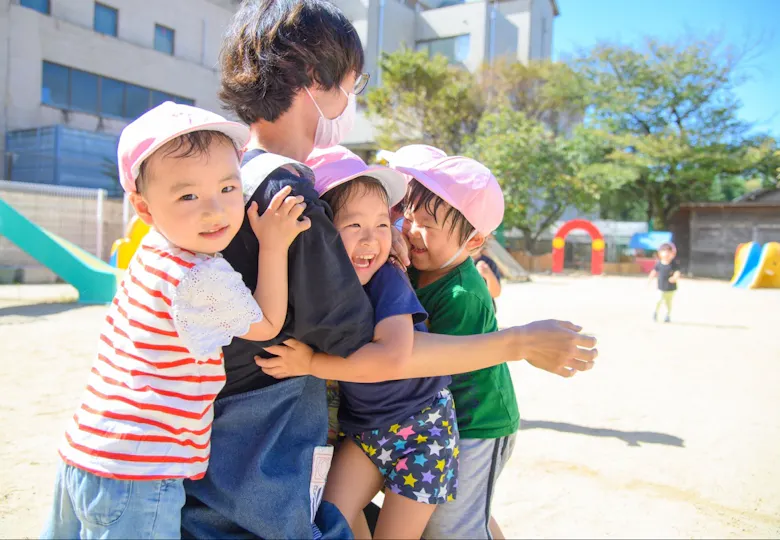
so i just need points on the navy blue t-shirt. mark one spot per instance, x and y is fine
(369, 406)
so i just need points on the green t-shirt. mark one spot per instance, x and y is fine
(459, 304)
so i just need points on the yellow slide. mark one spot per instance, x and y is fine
(123, 249)
(757, 267)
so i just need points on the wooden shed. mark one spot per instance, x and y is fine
(707, 234)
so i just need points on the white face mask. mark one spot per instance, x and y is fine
(460, 250)
(331, 131)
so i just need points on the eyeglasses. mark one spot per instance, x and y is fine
(360, 83)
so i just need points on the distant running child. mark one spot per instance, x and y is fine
(400, 436)
(667, 270)
(144, 422)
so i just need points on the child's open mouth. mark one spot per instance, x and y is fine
(363, 262)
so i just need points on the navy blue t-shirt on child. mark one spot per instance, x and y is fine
(369, 406)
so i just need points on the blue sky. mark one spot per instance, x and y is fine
(583, 23)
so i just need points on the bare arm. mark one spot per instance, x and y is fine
(554, 346)
(373, 362)
(493, 284)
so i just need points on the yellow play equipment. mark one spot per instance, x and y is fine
(756, 266)
(123, 249)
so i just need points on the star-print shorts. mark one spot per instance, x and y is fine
(418, 457)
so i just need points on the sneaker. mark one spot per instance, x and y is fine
(667, 319)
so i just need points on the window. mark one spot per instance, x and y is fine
(112, 97)
(41, 6)
(163, 39)
(56, 82)
(455, 49)
(106, 19)
(84, 91)
(136, 100)
(73, 89)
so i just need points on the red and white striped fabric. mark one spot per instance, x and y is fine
(148, 406)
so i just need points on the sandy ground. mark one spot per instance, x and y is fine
(675, 433)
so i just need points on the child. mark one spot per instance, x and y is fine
(400, 434)
(451, 205)
(667, 270)
(144, 422)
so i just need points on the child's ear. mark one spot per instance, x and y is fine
(141, 208)
(476, 242)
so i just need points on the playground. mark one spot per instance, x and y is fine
(673, 434)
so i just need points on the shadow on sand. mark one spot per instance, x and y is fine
(631, 438)
(12, 314)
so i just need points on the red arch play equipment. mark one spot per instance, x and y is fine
(596, 248)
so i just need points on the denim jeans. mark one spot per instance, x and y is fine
(258, 481)
(90, 506)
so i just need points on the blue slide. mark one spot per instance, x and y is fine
(750, 268)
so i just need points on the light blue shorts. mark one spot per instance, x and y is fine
(89, 506)
(480, 463)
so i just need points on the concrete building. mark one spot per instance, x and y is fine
(467, 32)
(73, 73)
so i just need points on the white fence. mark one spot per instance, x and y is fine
(82, 216)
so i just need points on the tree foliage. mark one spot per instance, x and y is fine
(669, 112)
(635, 131)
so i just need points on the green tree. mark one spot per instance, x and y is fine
(424, 100)
(670, 114)
(539, 172)
(548, 92)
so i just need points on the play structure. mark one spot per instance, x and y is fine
(756, 266)
(597, 245)
(510, 269)
(123, 249)
(94, 280)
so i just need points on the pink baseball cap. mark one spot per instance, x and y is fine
(161, 125)
(466, 185)
(337, 165)
(413, 154)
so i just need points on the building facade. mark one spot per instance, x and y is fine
(468, 33)
(73, 73)
(707, 234)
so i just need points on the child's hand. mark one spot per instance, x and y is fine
(293, 359)
(400, 249)
(279, 224)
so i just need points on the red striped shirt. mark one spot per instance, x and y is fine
(148, 407)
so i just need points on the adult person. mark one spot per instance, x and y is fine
(291, 70)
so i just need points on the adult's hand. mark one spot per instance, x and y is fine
(557, 347)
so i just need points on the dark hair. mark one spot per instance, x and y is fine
(273, 48)
(191, 144)
(419, 196)
(362, 185)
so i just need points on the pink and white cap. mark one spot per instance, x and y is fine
(337, 165)
(466, 185)
(412, 154)
(160, 125)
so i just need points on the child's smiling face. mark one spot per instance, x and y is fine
(363, 222)
(193, 198)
